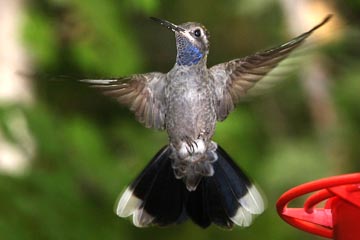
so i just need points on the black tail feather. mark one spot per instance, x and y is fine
(218, 205)
(157, 197)
(149, 174)
(166, 196)
(197, 206)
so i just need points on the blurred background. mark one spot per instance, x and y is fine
(66, 151)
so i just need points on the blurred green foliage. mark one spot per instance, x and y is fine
(89, 148)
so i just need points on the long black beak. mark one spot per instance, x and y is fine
(168, 25)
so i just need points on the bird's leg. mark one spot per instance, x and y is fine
(190, 145)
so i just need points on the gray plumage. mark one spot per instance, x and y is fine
(189, 99)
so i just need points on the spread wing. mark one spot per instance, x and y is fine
(234, 78)
(142, 93)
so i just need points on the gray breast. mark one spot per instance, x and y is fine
(190, 105)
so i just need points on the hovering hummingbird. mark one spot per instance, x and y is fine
(192, 177)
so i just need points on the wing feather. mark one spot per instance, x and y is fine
(142, 93)
(234, 78)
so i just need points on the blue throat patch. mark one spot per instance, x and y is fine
(188, 54)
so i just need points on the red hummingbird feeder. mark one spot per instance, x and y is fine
(340, 217)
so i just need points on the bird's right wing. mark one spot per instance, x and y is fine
(142, 93)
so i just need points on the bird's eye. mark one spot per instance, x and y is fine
(197, 33)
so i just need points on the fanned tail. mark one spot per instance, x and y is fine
(157, 197)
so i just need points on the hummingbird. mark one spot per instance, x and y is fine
(192, 177)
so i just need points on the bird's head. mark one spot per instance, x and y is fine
(192, 41)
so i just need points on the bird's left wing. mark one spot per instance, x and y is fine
(234, 78)
(142, 93)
